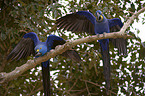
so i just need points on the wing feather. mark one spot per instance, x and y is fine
(81, 21)
(53, 41)
(23, 49)
(120, 43)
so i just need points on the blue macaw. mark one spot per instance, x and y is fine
(85, 21)
(30, 44)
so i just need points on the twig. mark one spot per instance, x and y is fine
(73, 85)
(23, 31)
(52, 29)
(87, 88)
(41, 88)
(98, 85)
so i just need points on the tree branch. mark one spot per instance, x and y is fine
(130, 20)
(4, 77)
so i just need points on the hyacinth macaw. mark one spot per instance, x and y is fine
(85, 21)
(30, 44)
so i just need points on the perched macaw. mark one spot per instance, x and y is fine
(84, 21)
(30, 44)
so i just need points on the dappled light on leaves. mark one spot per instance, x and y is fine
(68, 77)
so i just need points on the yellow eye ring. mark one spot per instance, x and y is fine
(102, 17)
(37, 50)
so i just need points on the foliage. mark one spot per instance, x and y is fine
(71, 78)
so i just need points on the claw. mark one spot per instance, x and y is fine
(104, 34)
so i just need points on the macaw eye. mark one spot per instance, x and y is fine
(100, 18)
(40, 47)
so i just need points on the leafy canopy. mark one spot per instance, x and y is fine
(85, 78)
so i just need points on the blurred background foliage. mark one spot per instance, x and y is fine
(69, 78)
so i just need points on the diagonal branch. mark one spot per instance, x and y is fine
(4, 77)
(130, 20)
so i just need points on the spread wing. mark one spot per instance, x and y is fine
(81, 21)
(25, 47)
(53, 41)
(120, 43)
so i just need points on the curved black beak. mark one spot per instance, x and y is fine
(38, 54)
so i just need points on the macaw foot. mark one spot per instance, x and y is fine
(104, 34)
(98, 35)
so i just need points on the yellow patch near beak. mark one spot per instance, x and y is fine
(37, 50)
(102, 17)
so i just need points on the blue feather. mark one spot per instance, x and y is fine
(50, 40)
(45, 64)
(114, 22)
(89, 16)
(33, 36)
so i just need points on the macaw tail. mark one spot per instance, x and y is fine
(106, 62)
(46, 78)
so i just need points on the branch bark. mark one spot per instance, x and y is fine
(4, 77)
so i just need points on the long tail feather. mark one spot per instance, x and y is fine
(46, 78)
(106, 63)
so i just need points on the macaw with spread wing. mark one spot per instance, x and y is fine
(30, 44)
(85, 21)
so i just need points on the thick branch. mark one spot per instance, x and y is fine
(62, 48)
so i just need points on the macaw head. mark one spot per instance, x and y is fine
(40, 50)
(99, 16)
